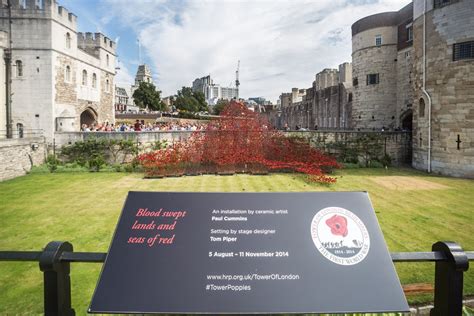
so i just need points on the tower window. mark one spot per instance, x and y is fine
(107, 58)
(372, 79)
(67, 76)
(463, 50)
(355, 82)
(94, 80)
(107, 85)
(68, 40)
(19, 68)
(84, 78)
(378, 40)
(422, 108)
(410, 32)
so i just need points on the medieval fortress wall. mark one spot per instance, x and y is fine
(386, 89)
(59, 76)
(449, 83)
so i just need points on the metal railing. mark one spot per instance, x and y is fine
(451, 261)
(22, 133)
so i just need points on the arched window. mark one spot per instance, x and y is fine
(108, 60)
(94, 80)
(19, 68)
(67, 75)
(68, 40)
(421, 112)
(84, 78)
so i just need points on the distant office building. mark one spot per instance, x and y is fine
(214, 92)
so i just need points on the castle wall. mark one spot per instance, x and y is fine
(404, 85)
(32, 103)
(374, 105)
(19, 155)
(328, 108)
(451, 87)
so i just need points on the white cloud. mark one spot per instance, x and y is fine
(124, 77)
(281, 44)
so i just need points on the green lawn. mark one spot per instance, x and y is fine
(414, 210)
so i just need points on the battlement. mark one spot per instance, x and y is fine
(92, 42)
(62, 15)
(41, 9)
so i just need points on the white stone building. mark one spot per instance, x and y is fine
(3, 110)
(61, 78)
(214, 92)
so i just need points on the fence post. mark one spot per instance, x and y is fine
(449, 279)
(57, 282)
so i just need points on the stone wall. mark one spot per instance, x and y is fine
(395, 144)
(451, 87)
(18, 155)
(404, 110)
(143, 138)
(327, 108)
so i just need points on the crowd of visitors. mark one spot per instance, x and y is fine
(141, 126)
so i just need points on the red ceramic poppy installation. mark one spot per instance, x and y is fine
(240, 141)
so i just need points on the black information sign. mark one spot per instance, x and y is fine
(248, 253)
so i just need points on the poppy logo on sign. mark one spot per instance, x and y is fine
(340, 236)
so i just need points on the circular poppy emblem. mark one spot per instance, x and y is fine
(340, 236)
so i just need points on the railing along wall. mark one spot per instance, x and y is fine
(451, 261)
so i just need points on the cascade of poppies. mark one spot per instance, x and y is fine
(240, 140)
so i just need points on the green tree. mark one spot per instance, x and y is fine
(190, 101)
(147, 96)
(220, 105)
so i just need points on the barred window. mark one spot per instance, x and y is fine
(378, 40)
(372, 79)
(19, 68)
(463, 50)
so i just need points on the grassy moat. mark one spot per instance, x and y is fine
(414, 210)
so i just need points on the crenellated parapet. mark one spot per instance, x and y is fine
(62, 15)
(93, 42)
(43, 9)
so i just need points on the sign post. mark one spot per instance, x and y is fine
(248, 253)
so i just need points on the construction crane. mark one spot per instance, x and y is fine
(237, 82)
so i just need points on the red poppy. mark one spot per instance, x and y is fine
(338, 225)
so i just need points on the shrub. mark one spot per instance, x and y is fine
(52, 163)
(95, 152)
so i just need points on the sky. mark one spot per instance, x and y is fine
(281, 44)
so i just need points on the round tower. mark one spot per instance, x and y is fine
(374, 72)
